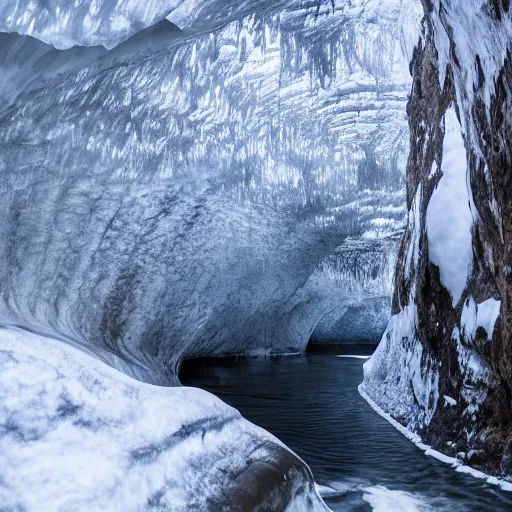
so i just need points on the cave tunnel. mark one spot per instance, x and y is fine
(231, 233)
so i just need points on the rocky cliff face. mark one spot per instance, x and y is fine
(444, 366)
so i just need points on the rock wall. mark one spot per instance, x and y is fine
(444, 365)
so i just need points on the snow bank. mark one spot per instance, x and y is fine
(78, 435)
(416, 439)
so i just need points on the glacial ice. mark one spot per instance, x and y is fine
(79, 435)
(172, 200)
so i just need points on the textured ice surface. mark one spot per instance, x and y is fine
(183, 195)
(361, 268)
(78, 435)
(82, 22)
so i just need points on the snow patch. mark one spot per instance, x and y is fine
(482, 315)
(449, 218)
(448, 400)
(487, 314)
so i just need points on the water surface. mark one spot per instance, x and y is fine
(312, 404)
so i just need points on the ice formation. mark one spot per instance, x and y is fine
(82, 22)
(170, 198)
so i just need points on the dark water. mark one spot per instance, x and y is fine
(312, 404)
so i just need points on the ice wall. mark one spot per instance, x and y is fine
(178, 195)
(443, 367)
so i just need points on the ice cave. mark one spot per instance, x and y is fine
(255, 255)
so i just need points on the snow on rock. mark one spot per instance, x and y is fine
(448, 400)
(399, 376)
(482, 315)
(449, 218)
(414, 224)
(460, 115)
(78, 435)
(487, 314)
(476, 29)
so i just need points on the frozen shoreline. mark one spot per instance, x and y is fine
(416, 439)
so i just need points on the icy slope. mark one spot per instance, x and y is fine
(444, 366)
(78, 435)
